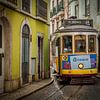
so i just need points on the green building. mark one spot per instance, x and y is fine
(24, 42)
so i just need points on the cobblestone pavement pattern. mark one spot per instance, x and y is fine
(67, 92)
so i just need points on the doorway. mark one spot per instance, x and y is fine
(40, 57)
(99, 54)
(1, 59)
(25, 54)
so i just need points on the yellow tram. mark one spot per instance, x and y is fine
(76, 49)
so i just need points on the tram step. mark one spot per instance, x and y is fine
(82, 81)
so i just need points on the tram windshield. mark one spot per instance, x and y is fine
(91, 43)
(80, 43)
(67, 44)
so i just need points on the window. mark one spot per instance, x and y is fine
(58, 42)
(98, 6)
(87, 7)
(26, 5)
(80, 43)
(92, 43)
(62, 19)
(58, 47)
(69, 11)
(42, 9)
(76, 11)
(52, 27)
(62, 4)
(67, 44)
(0, 36)
(53, 48)
(25, 44)
(57, 24)
(0, 65)
(57, 2)
(53, 3)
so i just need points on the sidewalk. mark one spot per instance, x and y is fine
(24, 91)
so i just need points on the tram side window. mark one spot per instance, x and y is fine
(58, 42)
(53, 48)
(91, 43)
(67, 44)
(80, 43)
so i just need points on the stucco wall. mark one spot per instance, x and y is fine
(16, 19)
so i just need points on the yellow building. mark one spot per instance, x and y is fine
(24, 42)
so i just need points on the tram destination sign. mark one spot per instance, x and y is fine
(69, 22)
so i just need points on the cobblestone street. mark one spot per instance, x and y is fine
(67, 92)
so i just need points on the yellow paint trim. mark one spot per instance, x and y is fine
(79, 71)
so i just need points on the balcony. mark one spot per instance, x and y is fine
(9, 3)
(57, 9)
(13, 1)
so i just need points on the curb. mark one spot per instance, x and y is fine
(52, 80)
(23, 93)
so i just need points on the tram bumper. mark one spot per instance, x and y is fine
(79, 73)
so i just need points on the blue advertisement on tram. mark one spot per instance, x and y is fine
(79, 62)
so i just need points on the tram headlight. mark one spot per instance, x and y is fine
(80, 66)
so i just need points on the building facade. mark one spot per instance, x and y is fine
(24, 42)
(58, 12)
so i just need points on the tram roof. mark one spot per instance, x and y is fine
(77, 28)
(77, 25)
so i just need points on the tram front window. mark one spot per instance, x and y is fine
(67, 44)
(91, 43)
(80, 43)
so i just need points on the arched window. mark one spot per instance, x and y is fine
(25, 43)
(26, 29)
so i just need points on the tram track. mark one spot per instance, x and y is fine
(65, 97)
(75, 93)
(62, 91)
(72, 95)
(59, 89)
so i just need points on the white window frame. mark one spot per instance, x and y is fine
(30, 8)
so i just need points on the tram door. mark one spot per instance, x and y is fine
(1, 60)
(58, 45)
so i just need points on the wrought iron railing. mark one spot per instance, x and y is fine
(13, 1)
